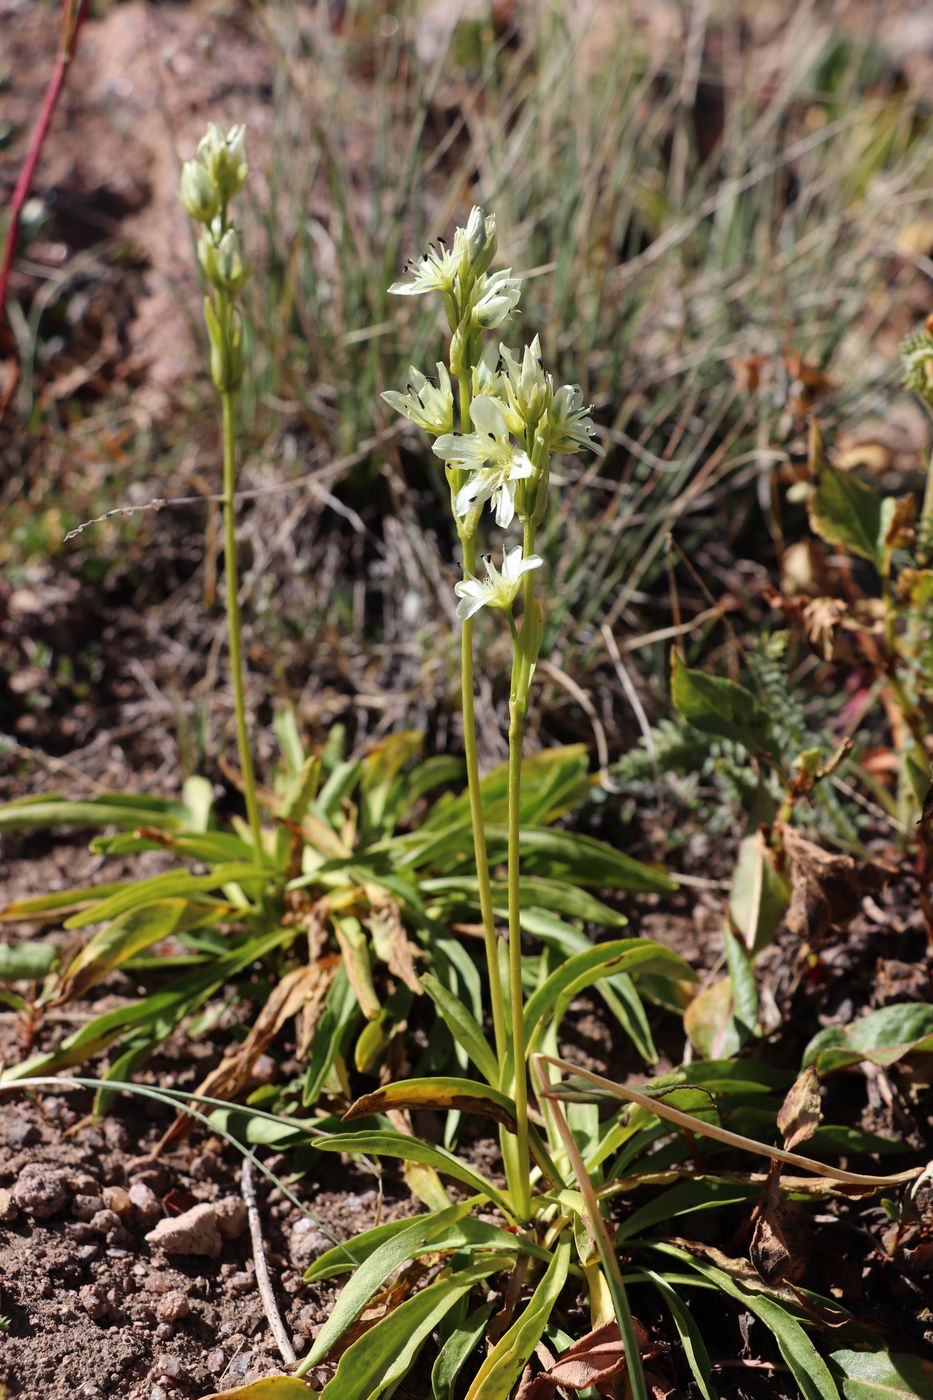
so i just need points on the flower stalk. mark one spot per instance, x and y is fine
(511, 418)
(208, 183)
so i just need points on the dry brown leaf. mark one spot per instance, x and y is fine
(595, 1360)
(827, 888)
(780, 1247)
(800, 1112)
(390, 940)
(232, 1074)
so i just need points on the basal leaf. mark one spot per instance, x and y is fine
(107, 809)
(759, 896)
(461, 1343)
(846, 513)
(384, 1354)
(412, 1149)
(463, 1026)
(720, 707)
(26, 962)
(883, 1037)
(172, 884)
(881, 1375)
(464, 1095)
(504, 1364)
(272, 1388)
(127, 935)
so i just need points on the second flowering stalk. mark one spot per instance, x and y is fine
(512, 419)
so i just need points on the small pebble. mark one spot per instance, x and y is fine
(158, 1392)
(306, 1243)
(93, 1301)
(195, 1232)
(242, 1283)
(173, 1307)
(116, 1135)
(117, 1200)
(147, 1208)
(170, 1367)
(216, 1361)
(87, 1252)
(231, 1217)
(9, 1210)
(86, 1207)
(41, 1190)
(164, 1331)
(20, 1133)
(156, 1282)
(103, 1221)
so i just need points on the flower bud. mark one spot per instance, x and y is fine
(197, 192)
(224, 158)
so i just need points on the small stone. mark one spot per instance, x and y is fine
(292, 1283)
(194, 1232)
(93, 1301)
(165, 1331)
(240, 1363)
(41, 1190)
(157, 1282)
(158, 1392)
(173, 1307)
(231, 1217)
(9, 1210)
(242, 1283)
(216, 1361)
(306, 1243)
(86, 1207)
(147, 1208)
(103, 1221)
(170, 1367)
(20, 1133)
(117, 1200)
(116, 1135)
(87, 1252)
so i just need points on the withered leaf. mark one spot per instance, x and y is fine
(595, 1360)
(800, 1112)
(780, 1246)
(827, 888)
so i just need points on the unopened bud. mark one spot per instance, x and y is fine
(197, 192)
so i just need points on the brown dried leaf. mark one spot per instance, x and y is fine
(827, 888)
(595, 1360)
(800, 1112)
(390, 940)
(780, 1246)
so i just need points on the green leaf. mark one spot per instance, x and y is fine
(370, 1275)
(26, 962)
(587, 967)
(555, 895)
(107, 809)
(882, 1037)
(467, 1233)
(26, 910)
(803, 1360)
(211, 847)
(720, 707)
(882, 1375)
(691, 1338)
(171, 884)
(127, 935)
(684, 1199)
(452, 1356)
(743, 986)
(445, 1093)
(583, 859)
(759, 896)
(504, 1364)
(846, 513)
(272, 1388)
(412, 1149)
(383, 1355)
(463, 1026)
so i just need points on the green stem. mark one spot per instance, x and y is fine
(518, 707)
(233, 620)
(476, 816)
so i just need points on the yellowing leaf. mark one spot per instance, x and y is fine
(272, 1388)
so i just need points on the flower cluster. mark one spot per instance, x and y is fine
(917, 359)
(208, 184)
(513, 418)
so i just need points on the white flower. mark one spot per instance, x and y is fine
(486, 377)
(495, 297)
(496, 462)
(570, 425)
(429, 406)
(527, 388)
(435, 271)
(224, 158)
(497, 590)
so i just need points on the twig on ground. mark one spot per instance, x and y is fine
(263, 1281)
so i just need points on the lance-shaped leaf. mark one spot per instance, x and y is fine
(881, 1037)
(412, 1149)
(383, 1355)
(463, 1026)
(444, 1093)
(129, 934)
(720, 707)
(842, 510)
(881, 1375)
(107, 809)
(759, 896)
(171, 885)
(272, 1388)
(504, 1364)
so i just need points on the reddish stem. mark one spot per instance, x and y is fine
(72, 20)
